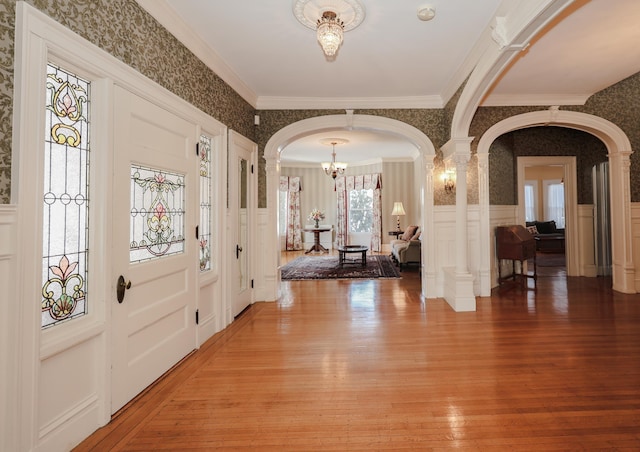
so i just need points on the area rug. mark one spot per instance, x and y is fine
(326, 267)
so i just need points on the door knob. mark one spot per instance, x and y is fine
(122, 286)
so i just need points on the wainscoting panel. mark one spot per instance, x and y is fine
(9, 384)
(635, 233)
(586, 241)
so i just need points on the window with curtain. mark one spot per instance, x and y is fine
(353, 194)
(555, 202)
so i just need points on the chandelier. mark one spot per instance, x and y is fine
(334, 168)
(330, 19)
(330, 32)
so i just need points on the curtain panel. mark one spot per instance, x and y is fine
(293, 187)
(345, 184)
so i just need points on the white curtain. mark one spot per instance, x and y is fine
(555, 204)
(530, 204)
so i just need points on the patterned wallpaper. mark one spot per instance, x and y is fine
(126, 31)
(541, 141)
(129, 33)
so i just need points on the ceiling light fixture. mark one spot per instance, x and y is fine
(330, 33)
(330, 19)
(334, 168)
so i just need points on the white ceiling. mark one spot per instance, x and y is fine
(394, 60)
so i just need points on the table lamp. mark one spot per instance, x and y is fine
(398, 209)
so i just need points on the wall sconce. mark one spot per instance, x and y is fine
(449, 180)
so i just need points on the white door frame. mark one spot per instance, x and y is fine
(51, 421)
(569, 168)
(239, 143)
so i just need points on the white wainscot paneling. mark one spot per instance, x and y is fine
(586, 241)
(9, 384)
(265, 280)
(209, 306)
(69, 390)
(445, 232)
(635, 234)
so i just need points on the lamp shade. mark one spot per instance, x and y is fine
(398, 208)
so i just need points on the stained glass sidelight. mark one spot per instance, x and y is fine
(65, 219)
(157, 214)
(204, 238)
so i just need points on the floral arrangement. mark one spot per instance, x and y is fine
(316, 215)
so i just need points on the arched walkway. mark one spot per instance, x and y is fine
(349, 121)
(619, 150)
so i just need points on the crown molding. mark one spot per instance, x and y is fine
(347, 103)
(517, 100)
(167, 17)
(374, 161)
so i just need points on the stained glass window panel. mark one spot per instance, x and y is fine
(65, 219)
(157, 214)
(204, 239)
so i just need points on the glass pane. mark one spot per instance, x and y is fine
(242, 222)
(65, 219)
(205, 203)
(360, 210)
(157, 214)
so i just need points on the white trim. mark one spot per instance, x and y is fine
(570, 207)
(516, 100)
(349, 121)
(619, 148)
(38, 39)
(173, 23)
(341, 103)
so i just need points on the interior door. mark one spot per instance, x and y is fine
(154, 271)
(242, 211)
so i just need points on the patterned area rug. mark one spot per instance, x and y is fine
(326, 267)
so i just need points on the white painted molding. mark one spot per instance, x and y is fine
(619, 151)
(169, 19)
(341, 103)
(516, 100)
(524, 19)
(349, 121)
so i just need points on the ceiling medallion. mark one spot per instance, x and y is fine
(330, 19)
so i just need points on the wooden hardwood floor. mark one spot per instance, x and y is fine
(369, 365)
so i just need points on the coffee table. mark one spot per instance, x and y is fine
(346, 249)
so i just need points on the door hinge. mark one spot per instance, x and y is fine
(197, 232)
(197, 317)
(252, 283)
(198, 149)
(252, 168)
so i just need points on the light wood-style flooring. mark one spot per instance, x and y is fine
(370, 365)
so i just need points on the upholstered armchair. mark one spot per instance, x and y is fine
(407, 248)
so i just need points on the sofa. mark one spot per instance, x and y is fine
(548, 237)
(406, 249)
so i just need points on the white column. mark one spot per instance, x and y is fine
(486, 237)
(271, 258)
(458, 284)
(428, 236)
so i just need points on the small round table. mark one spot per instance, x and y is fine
(316, 240)
(343, 250)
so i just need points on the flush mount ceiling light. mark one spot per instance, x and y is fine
(426, 13)
(330, 19)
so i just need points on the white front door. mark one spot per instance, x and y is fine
(242, 208)
(154, 246)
